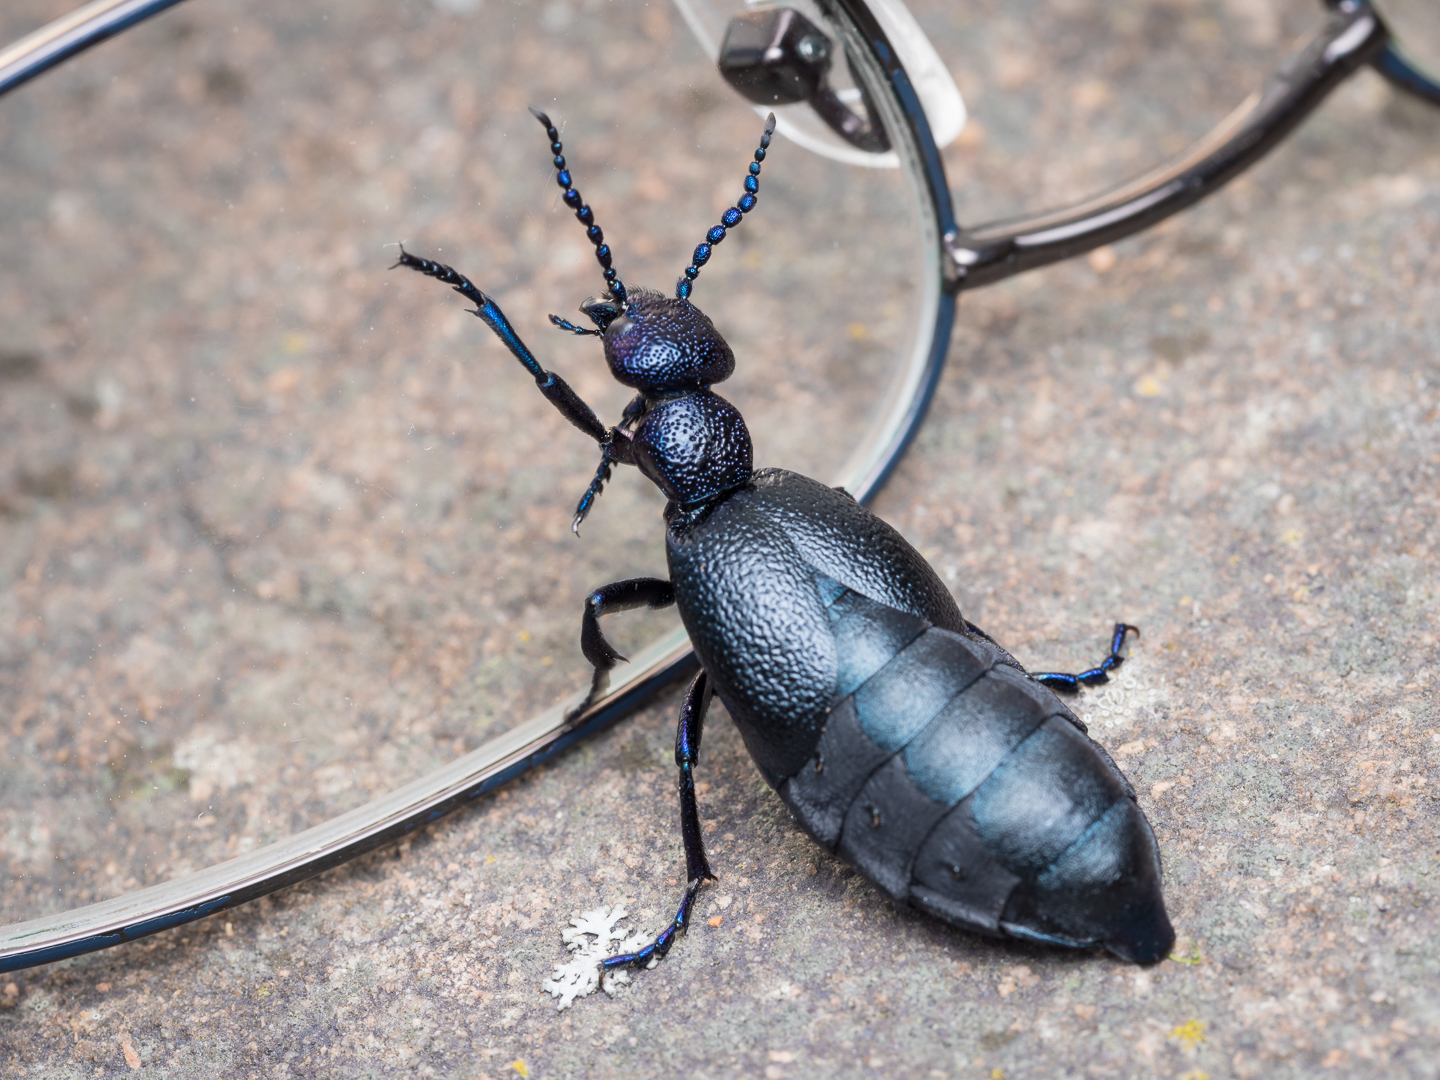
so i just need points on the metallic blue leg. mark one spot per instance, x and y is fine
(653, 593)
(556, 390)
(1070, 684)
(697, 867)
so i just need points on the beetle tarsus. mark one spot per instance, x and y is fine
(1070, 684)
(597, 485)
(658, 949)
(599, 685)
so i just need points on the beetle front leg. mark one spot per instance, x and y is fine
(653, 593)
(1070, 684)
(556, 390)
(697, 866)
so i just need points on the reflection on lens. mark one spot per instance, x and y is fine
(284, 531)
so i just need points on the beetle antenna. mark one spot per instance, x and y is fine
(582, 211)
(729, 219)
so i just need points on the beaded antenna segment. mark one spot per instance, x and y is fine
(593, 232)
(729, 219)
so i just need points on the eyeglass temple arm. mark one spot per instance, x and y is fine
(71, 33)
(1393, 64)
(1352, 36)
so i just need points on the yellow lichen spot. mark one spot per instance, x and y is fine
(1195, 1074)
(1234, 560)
(1291, 537)
(524, 635)
(489, 858)
(1148, 386)
(520, 1067)
(857, 331)
(1189, 956)
(1189, 1034)
(294, 343)
(1185, 601)
(997, 1074)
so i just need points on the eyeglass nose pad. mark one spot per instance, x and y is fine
(776, 56)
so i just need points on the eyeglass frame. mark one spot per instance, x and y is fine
(1353, 36)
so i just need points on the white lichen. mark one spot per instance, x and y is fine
(1121, 700)
(591, 937)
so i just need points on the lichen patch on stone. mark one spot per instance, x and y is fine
(591, 937)
(1120, 702)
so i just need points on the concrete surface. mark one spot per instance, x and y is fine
(281, 531)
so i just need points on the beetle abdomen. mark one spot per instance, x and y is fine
(956, 783)
(920, 753)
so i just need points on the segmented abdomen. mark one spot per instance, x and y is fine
(954, 782)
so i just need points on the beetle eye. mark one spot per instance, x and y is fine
(619, 326)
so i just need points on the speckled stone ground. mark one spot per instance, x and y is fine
(271, 545)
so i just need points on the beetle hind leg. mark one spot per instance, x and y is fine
(1070, 684)
(697, 866)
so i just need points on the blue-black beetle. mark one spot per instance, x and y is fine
(901, 736)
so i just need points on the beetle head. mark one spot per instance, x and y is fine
(659, 344)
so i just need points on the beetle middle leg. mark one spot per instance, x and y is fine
(1070, 684)
(627, 595)
(697, 866)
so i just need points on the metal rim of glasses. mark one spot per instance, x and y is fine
(416, 804)
(1352, 37)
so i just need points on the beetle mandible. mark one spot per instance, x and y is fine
(902, 737)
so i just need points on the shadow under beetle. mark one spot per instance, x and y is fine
(901, 736)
